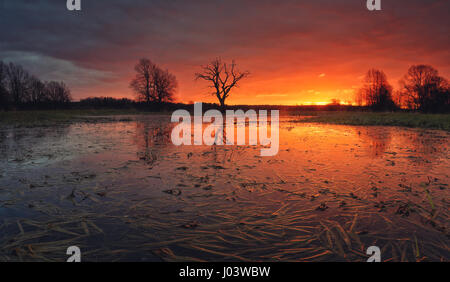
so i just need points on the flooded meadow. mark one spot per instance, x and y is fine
(121, 191)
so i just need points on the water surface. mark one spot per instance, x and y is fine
(122, 192)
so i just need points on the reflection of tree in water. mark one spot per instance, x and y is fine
(378, 139)
(151, 138)
(425, 146)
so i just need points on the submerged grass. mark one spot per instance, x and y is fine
(417, 120)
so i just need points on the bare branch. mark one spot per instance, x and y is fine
(222, 78)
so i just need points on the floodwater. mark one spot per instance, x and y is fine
(121, 191)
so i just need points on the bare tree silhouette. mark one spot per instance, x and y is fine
(166, 85)
(152, 84)
(376, 91)
(58, 92)
(424, 90)
(142, 84)
(222, 78)
(22, 90)
(3, 90)
(17, 79)
(38, 91)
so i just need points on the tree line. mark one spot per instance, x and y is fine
(19, 89)
(421, 89)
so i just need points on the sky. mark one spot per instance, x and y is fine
(297, 51)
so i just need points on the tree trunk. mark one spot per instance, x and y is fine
(222, 105)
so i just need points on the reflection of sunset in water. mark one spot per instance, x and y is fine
(331, 192)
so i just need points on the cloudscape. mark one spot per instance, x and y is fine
(297, 52)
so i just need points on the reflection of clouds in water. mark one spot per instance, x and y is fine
(427, 142)
(150, 134)
(424, 147)
(151, 139)
(420, 146)
(378, 140)
(23, 143)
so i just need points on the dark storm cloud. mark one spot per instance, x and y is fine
(107, 36)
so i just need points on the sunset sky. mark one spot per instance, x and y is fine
(298, 51)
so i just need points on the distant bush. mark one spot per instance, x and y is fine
(106, 102)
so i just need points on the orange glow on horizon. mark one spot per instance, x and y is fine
(299, 89)
(314, 103)
(297, 52)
